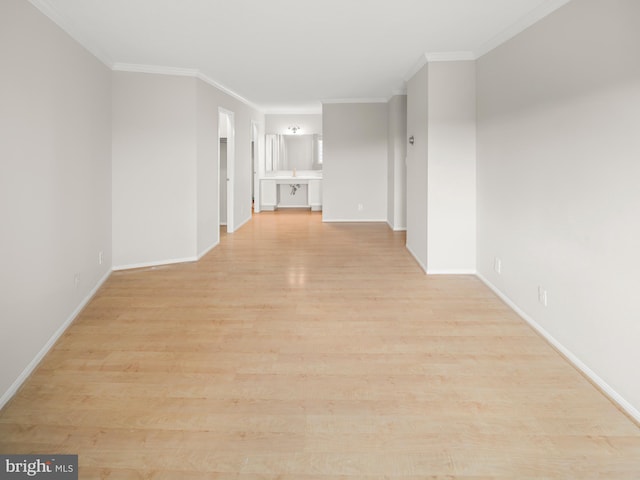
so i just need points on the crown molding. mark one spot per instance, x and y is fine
(155, 69)
(430, 57)
(355, 100)
(208, 80)
(182, 72)
(422, 61)
(315, 110)
(522, 24)
(45, 7)
(450, 56)
(399, 91)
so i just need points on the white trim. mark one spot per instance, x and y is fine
(429, 57)
(415, 257)
(450, 57)
(257, 162)
(231, 167)
(208, 249)
(15, 386)
(398, 92)
(570, 356)
(45, 7)
(454, 271)
(421, 62)
(228, 91)
(154, 264)
(182, 72)
(355, 100)
(522, 24)
(154, 69)
(293, 110)
(243, 223)
(396, 229)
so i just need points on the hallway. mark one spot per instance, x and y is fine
(304, 350)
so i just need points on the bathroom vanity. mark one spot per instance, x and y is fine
(292, 175)
(284, 190)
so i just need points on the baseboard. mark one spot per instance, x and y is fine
(155, 264)
(242, 224)
(396, 229)
(15, 386)
(460, 271)
(208, 249)
(614, 396)
(415, 257)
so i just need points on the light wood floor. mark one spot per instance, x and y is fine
(304, 351)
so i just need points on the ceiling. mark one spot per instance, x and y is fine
(287, 56)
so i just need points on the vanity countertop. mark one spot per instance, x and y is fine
(292, 178)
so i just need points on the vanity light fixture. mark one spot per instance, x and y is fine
(294, 129)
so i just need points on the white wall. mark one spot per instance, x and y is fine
(558, 173)
(279, 124)
(243, 175)
(55, 185)
(396, 162)
(417, 156)
(242, 172)
(210, 99)
(451, 177)
(355, 162)
(154, 169)
(165, 167)
(441, 167)
(207, 169)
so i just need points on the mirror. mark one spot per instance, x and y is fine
(289, 152)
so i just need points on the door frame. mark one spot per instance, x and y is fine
(228, 116)
(256, 164)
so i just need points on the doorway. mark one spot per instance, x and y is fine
(226, 163)
(255, 177)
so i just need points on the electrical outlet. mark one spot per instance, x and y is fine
(100, 257)
(76, 280)
(360, 207)
(543, 298)
(497, 265)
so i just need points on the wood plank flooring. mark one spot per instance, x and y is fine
(300, 350)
